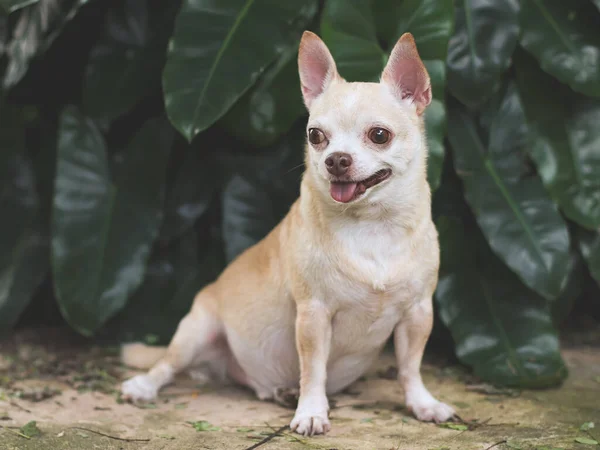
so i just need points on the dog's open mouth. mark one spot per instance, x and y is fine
(346, 191)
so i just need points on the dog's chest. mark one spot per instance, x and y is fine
(371, 278)
(373, 263)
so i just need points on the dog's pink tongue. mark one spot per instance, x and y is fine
(342, 192)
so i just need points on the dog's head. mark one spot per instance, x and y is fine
(364, 139)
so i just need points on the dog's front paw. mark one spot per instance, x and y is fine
(139, 389)
(432, 411)
(310, 423)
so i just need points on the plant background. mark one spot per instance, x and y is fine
(144, 144)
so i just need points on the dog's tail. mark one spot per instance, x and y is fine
(141, 356)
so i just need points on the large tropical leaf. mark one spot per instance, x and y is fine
(480, 50)
(563, 36)
(10, 6)
(38, 25)
(354, 30)
(271, 107)
(196, 181)
(125, 64)
(3, 40)
(562, 306)
(23, 238)
(430, 22)
(520, 221)
(348, 29)
(102, 230)
(589, 245)
(500, 328)
(175, 274)
(217, 52)
(260, 191)
(247, 214)
(565, 139)
(435, 127)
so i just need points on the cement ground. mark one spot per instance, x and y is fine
(70, 391)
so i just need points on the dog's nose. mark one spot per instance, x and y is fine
(337, 163)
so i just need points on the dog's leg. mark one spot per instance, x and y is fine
(410, 338)
(313, 340)
(195, 340)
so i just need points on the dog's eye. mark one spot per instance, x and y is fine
(316, 136)
(379, 135)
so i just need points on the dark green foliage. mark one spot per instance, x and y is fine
(218, 50)
(520, 221)
(484, 40)
(145, 144)
(103, 224)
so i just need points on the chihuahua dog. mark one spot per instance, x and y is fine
(355, 259)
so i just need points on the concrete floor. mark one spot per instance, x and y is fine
(70, 392)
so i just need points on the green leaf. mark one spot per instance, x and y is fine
(500, 328)
(587, 426)
(271, 107)
(274, 103)
(435, 127)
(196, 182)
(564, 139)
(430, 21)
(175, 274)
(586, 441)
(125, 64)
(218, 51)
(102, 230)
(37, 27)
(24, 258)
(521, 223)
(203, 425)
(589, 245)
(10, 6)
(260, 192)
(247, 214)
(484, 40)
(563, 37)
(573, 287)
(30, 429)
(349, 30)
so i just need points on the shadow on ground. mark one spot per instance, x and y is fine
(70, 392)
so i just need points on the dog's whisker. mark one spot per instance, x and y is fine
(294, 168)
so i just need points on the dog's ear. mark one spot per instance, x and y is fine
(406, 74)
(316, 67)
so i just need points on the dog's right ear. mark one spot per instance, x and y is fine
(316, 67)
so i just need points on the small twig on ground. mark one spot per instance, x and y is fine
(109, 436)
(16, 405)
(497, 444)
(268, 438)
(591, 435)
(292, 436)
(18, 433)
(471, 424)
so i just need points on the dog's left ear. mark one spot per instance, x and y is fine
(406, 74)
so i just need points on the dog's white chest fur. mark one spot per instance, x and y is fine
(375, 251)
(369, 278)
(372, 264)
